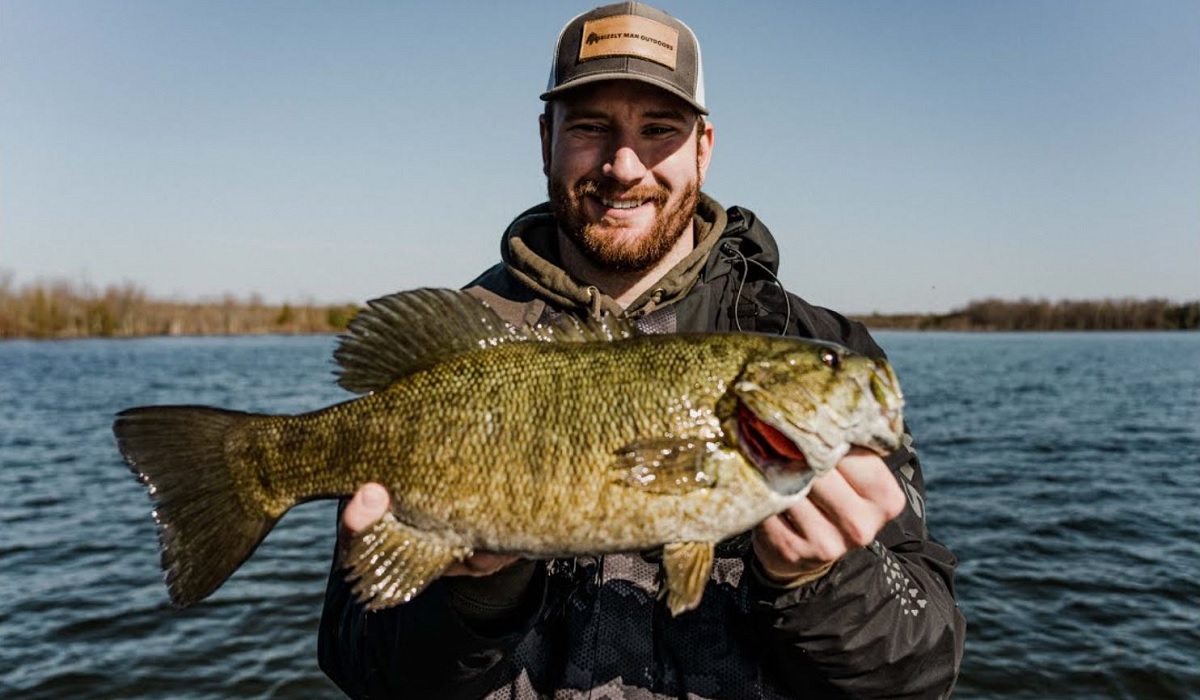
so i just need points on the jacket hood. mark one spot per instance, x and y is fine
(530, 252)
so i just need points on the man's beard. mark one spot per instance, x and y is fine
(599, 246)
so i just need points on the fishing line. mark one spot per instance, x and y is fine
(729, 247)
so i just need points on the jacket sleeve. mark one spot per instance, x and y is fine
(448, 642)
(883, 622)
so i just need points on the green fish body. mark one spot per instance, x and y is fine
(552, 441)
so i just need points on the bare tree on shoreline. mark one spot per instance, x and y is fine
(61, 309)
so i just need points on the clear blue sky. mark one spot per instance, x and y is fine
(909, 156)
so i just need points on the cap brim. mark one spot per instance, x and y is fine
(598, 77)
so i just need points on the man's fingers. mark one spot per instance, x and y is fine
(855, 518)
(866, 491)
(844, 510)
(798, 539)
(369, 504)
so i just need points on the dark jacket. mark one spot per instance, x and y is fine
(881, 623)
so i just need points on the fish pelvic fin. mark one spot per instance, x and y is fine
(392, 562)
(204, 526)
(406, 332)
(686, 568)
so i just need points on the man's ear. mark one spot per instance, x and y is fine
(704, 148)
(547, 133)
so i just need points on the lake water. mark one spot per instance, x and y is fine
(1063, 469)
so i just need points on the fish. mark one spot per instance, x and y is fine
(562, 439)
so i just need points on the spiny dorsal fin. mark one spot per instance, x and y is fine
(405, 332)
(402, 333)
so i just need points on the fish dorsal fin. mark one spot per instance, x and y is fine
(566, 328)
(406, 332)
(403, 333)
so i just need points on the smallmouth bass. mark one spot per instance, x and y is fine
(579, 437)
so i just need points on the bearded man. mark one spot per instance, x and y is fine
(843, 595)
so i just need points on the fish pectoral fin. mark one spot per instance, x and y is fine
(664, 465)
(686, 567)
(392, 562)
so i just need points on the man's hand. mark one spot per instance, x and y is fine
(844, 510)
(370, 503)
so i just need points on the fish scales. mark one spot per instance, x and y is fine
(435, 439)
(578, 438)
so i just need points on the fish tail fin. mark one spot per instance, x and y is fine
(205, 528)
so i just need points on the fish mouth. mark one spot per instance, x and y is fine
(766, 446)
(792, 432)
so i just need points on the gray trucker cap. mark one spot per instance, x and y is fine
(628, 41)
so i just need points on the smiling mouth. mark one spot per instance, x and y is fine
(623, 203)
(766, 446)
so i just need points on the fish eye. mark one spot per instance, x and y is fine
(831, 359)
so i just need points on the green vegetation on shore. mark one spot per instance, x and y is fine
(65, 310)
(1043, 315)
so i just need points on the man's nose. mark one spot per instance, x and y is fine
(625, 166)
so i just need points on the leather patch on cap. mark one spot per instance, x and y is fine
(629, 35)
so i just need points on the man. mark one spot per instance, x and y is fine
(844, 595)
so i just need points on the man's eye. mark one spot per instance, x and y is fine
(660, 131)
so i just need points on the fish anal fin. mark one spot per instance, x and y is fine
(686, 568)
(392, 562)
(665, 465)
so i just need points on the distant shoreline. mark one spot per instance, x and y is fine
(62, 311)
(1026, 315)
(163, 319)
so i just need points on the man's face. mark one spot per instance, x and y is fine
(624, 167)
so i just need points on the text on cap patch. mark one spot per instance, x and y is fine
(629, 35)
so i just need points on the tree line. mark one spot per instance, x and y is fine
(65, 310)
(1044, 315)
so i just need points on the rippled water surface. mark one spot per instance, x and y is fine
(1063, 469)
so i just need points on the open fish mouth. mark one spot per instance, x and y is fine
(768, 447)
(779, 458)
